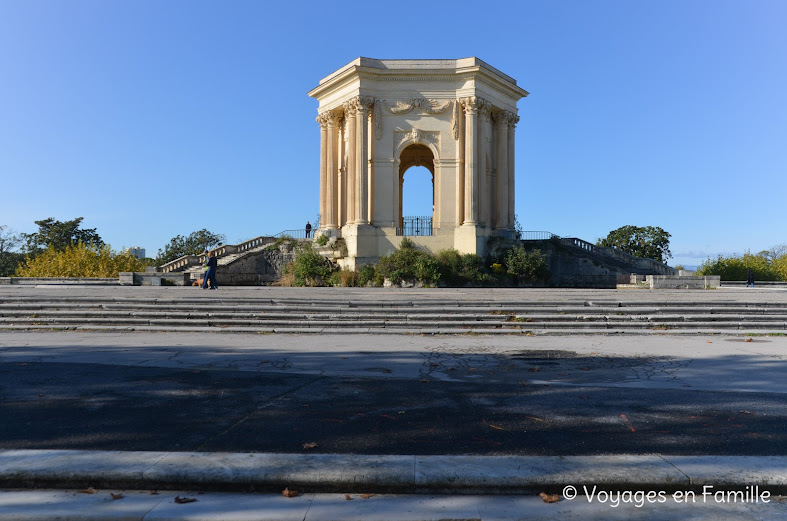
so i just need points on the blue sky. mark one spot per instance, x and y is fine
(157, 118)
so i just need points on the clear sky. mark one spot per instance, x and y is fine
(153, 118)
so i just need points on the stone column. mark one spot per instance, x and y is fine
(471, 160)
(484, 138)
(352, 154)
(322, 119)
(512, 121)
(362, 159)
(332, 173)
(460, 164)
(501, 219)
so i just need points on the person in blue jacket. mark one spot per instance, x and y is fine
(210, 275)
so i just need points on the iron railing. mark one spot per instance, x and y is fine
(537, 236)
(296, 234)
(415, 226)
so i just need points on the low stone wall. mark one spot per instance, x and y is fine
(37, 281)
(677, 282)
(154, 278)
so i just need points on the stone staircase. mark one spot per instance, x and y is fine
(225, 313)
(226, 255)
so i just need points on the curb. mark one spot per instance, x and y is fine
(386, 473)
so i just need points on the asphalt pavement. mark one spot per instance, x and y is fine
(541, 403)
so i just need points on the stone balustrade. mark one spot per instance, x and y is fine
(180, 263)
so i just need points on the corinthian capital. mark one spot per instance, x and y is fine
(501, 117)
(365, 102)
(322, 119)
(350, 106)
(469, 104)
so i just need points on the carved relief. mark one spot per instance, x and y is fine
(427, 106)
(377, 118)
(416, 136)
(455, 119)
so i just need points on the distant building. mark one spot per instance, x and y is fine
(137, 252)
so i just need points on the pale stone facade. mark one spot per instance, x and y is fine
(378, 118)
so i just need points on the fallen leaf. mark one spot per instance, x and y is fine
(116, 496)
(493, 426)
(432, 364)
(534, 370)
(289, 493)
(745, 412)
(183, 500)
(89, 490)
(708, 342)
(154, 492)
(347, 497)
(366, 496)
(594, 352)
(425, 381)
(549, 498)
(749, 340)
(310, 445)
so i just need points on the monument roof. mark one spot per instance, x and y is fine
(417, 68)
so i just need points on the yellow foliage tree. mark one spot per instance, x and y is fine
(79, 260)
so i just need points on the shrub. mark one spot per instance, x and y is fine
(530, 268)
(366, 275)
(308, 269)
(79, 260)
(458, 269)
(322, 240)
(410, 264)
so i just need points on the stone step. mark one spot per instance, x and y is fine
(213, 322)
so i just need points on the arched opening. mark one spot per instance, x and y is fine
(416, 191)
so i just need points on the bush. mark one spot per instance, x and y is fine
(79, 260)
(458, 269)
(409, 264)
(528, 268)
(367, 274)
(308, 269)
(322, 240)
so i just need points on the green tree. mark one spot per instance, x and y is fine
(735, 267)
(59, 235)
(194, 244)
(9, 259)
(648, 242)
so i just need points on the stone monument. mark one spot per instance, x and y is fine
(378, 118)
